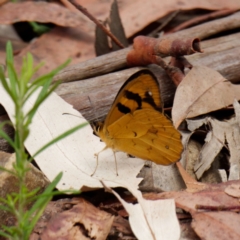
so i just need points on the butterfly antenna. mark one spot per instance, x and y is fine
(71, 115)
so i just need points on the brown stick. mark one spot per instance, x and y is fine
(117, 60)
(94, 96)
(92, 18)
(143, 52)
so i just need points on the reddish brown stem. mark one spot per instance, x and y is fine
(145, 49)
(217, 208)
(98, 23)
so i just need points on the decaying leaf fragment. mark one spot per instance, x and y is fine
(233, 190)
(83, 221)
(221, 132)
(217, 225)
(221, 224)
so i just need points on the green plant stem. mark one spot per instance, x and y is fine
(20, 88)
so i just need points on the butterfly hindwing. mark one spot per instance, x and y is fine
(136, 125)
(147, 134)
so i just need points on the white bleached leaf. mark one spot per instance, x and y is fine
(221, 132)
(74, 155)
(152, 220)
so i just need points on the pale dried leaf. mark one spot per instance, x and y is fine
(222, 131)
(213, 93)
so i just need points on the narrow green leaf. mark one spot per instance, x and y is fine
(38, 102)
(5, 136)
(11, 71)
(4, 234)
(7, 170)
(6, 85)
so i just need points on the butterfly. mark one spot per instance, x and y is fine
(136, 124)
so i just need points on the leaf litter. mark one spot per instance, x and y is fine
(77, 170)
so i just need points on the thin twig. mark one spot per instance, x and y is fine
(201, 19)
(98, 23)
(165, 23)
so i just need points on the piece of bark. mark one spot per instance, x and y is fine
(117, 60)
(94, 67)
(221, 54)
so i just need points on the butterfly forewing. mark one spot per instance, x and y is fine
(140, 91)
(136, 125)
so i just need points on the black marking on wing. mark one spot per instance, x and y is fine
(134, 96)
(149, 99)
(123, 109)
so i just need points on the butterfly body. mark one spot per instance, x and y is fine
(136, 125)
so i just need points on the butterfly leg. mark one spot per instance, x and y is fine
(115, 162)
(97, 154)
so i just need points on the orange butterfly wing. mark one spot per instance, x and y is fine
(136, 125)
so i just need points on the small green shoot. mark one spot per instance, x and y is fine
(20, 87)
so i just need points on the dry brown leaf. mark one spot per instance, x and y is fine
(42, 12)
(212, 195)
(222, 223)
(203, 90)
(62, 44)
(138, 14)
(83, 221)
(52, 208)
(217, 225)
